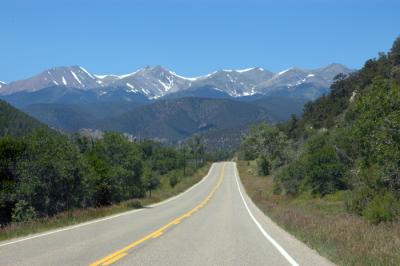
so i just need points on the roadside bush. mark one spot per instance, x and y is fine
(263, 166)
(290, 179)
(173, 180)
(269, 142)
(382, 208)
(23, 212)
(358, 199)
(325, 173)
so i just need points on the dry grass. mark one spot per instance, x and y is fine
(82, 215)
(324, 224)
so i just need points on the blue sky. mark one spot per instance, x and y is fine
(191, 37)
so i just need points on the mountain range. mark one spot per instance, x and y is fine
(154, 102)
(60, 84)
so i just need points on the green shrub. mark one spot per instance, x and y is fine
(263, 166)
(289, 180)
(358, 199)
(382, 208)
(324, 171)
(23, 212)
(173, 180)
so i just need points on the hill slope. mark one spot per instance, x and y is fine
(281, 108)
(73, 117)
(346, 140)
(14, 122)
(179, 118)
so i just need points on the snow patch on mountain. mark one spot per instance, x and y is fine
(76, 77)
(146, 91)
(129, 74)
(284, 71)
(205, 76)
(87, 72)
(132, 88)
(182, 77)
(101, 76)
(249, 69)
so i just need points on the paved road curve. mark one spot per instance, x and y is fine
(213, 223)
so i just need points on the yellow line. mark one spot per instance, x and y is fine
(122, 252)
(114, 259)
(157, 235)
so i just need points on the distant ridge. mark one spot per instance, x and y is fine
(156, 82)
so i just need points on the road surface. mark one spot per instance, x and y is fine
(213, 223)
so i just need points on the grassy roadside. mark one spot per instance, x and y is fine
(83, 215)
(324, 224)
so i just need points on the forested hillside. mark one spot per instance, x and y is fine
(347, 143)
(15, 122)
(222, 120)
(177, 119)
(73, 117)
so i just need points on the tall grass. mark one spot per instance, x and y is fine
(324, 224)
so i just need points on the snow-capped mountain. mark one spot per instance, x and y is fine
(300, 82)
(235, 82)
(71, 77)
(155, 82)
(295, 76)
(2, 84)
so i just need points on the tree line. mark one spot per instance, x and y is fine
(347, 142)
(43, 172)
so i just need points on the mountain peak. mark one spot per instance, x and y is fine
(68, 76)
(335, 67)
(155, 69)
(156, 81)
(63, 68)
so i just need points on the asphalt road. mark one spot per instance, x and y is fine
(213, 223)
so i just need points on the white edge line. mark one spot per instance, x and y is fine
(109, 217)
(265, 234)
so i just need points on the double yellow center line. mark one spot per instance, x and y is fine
(110, 259)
